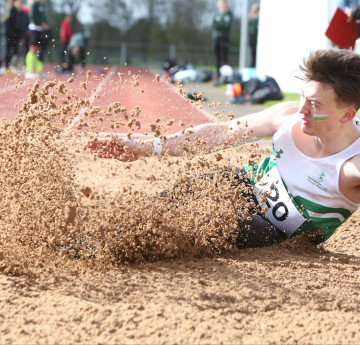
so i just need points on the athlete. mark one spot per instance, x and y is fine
(311, 181)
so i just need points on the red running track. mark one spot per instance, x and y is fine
(147, 99)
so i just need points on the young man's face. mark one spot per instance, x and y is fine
(222, 5)
(18, 4)
(319, 109)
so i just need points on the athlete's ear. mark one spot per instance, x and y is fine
(349, 115)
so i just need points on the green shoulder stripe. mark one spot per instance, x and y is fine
(257, 171)
(320, 209)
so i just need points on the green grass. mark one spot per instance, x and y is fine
(287, 97)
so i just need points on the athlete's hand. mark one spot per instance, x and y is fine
(45, 26)
(122, 149)
(348, 13)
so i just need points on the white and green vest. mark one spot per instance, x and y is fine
(300, 193)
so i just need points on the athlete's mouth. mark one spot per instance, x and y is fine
(305, 120)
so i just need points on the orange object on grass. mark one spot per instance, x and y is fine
(236, 90)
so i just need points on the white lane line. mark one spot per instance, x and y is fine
(107, 134)
(112, 134)
(210, 117)
(10, 88)
(92, 98)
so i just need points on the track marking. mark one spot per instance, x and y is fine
(92, 98)
(10, 88)
(85, 135)
(172, 88)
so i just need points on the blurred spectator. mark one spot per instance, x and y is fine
(65, 36)
(16, 27)
(23, 47)
(76, 54)
(221, 26)
(47, 36)
(39, 35)
(347, 3)
(353, 13)
(253, 24)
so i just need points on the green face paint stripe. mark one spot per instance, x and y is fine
(320, 119)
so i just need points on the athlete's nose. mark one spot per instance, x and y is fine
(303, 108)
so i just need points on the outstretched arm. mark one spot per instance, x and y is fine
(212, 135)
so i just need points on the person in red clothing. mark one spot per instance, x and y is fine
(65, 36)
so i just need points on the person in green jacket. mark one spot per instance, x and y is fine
(76, 54)
(253, 31)
(221, 26)
(37, 28)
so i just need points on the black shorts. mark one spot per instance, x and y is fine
(256, 231)
(38, 38)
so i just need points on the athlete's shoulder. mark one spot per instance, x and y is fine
(356, 161)
(351, 170)
(351, 174)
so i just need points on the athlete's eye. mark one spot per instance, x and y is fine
(314, 105)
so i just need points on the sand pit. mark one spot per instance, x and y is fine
(144, 272)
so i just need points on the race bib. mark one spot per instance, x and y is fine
(280, 210)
